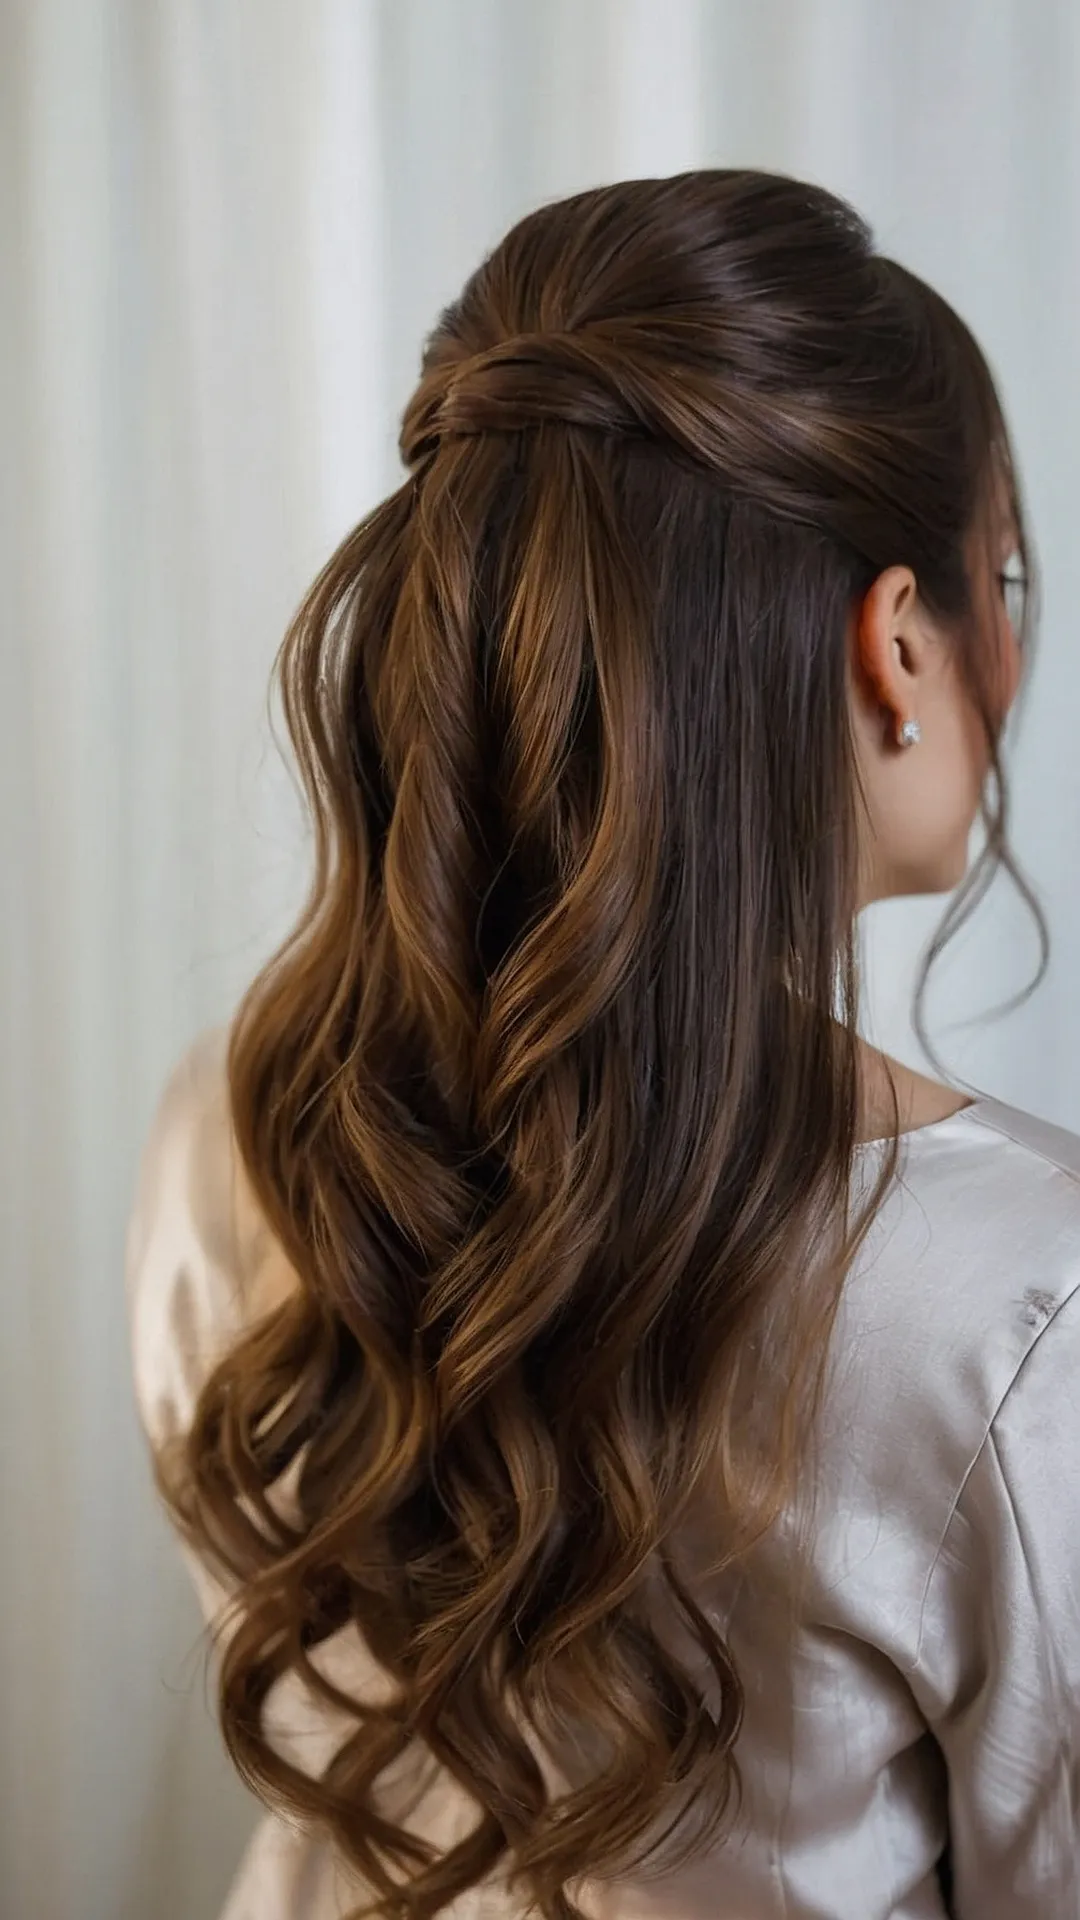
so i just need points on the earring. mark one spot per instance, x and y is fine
(910, 733)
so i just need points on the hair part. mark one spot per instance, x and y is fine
(551, 1096)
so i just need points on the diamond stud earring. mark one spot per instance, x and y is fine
(910, 733)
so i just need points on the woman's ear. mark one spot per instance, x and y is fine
(890, 644)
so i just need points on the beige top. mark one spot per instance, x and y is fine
(934, 1693)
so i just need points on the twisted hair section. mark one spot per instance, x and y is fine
(550, 1097)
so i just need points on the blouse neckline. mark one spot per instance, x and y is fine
(930, 1126)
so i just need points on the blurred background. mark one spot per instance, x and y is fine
(225, 227)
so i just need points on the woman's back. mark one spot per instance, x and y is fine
(686, 635)
(923, 1688)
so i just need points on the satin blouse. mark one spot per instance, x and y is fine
(913, 1751)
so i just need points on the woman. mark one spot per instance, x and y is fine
(622, 1426)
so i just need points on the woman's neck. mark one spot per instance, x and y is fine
(921, 1100)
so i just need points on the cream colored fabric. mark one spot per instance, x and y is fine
(934, 1692)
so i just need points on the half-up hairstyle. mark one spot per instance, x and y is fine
(551, 1097)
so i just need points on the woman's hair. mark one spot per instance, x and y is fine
(551, 1098)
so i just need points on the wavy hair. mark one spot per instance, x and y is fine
(551, 1097)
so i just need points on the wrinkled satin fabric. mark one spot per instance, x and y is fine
(910, 1747)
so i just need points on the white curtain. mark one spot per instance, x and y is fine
(225, 226)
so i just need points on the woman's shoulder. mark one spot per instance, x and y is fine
(1044, 1140)
(200, 1263)
(981, 1199)
(969, 1264)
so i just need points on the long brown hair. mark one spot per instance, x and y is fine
(551, 1097)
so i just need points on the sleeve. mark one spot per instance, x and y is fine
(192, 1258)
(1001, 1647)
(201, 1264)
